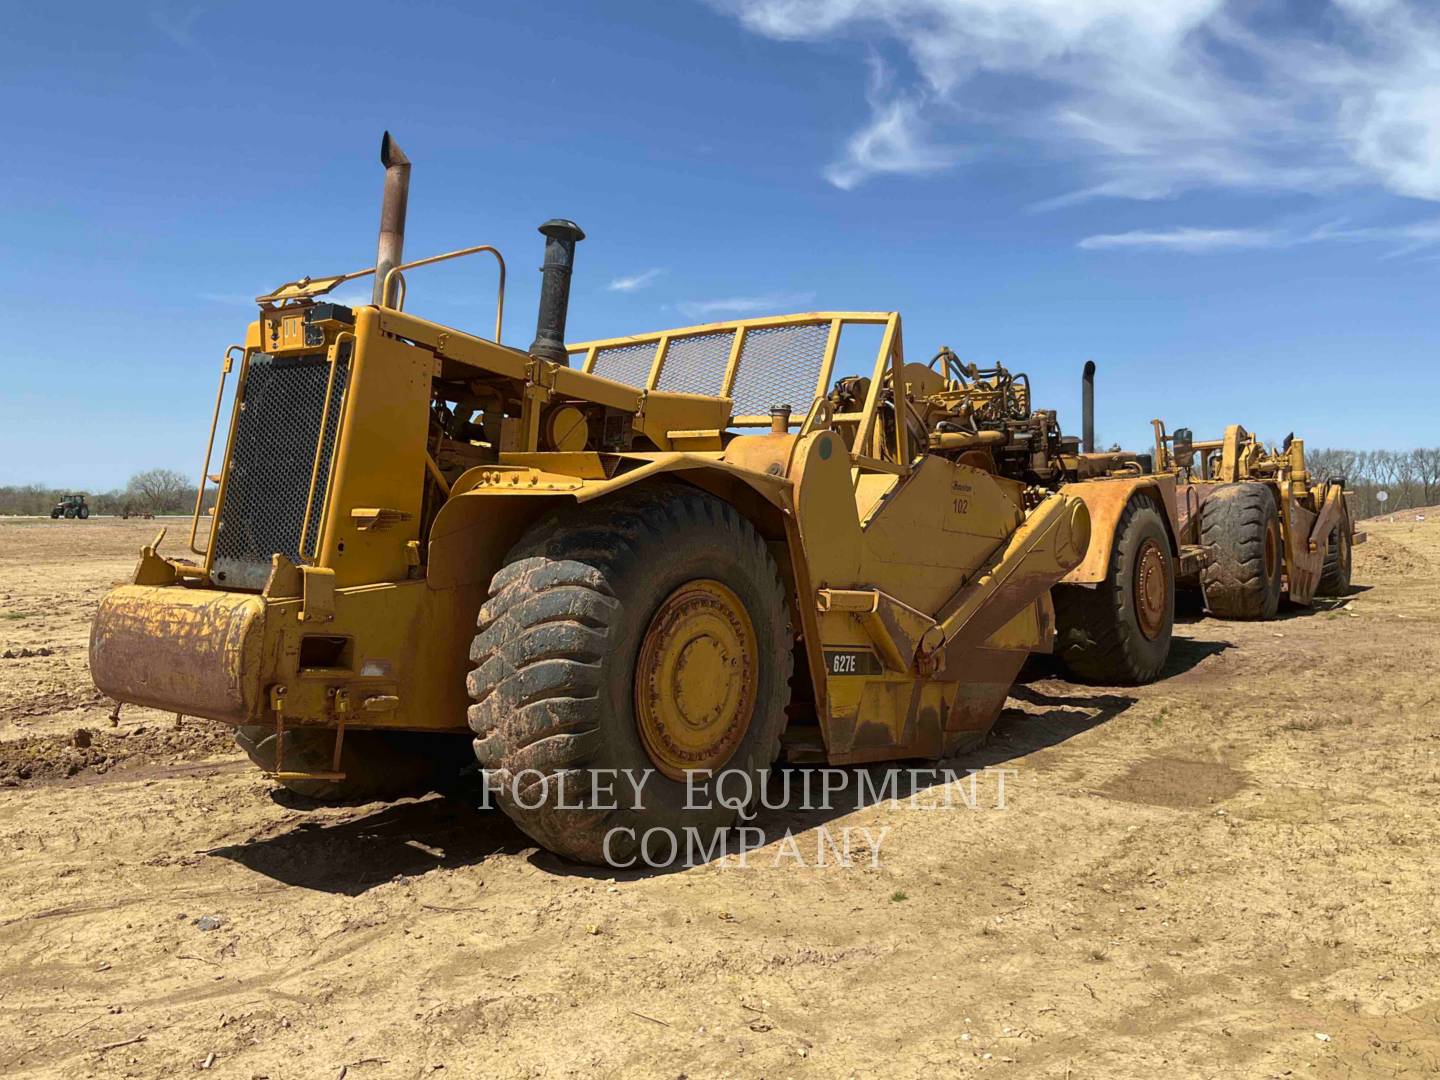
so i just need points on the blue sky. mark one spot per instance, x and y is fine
(1231, 207)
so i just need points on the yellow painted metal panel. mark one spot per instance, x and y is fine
(380, 459)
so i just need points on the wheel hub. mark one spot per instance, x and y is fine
(695, 679)
(1150, 590)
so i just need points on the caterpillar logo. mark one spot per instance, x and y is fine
(851, 662)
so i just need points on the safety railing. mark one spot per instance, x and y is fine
(784, 360)
(397, 276)
(310, 288)
(226, 365)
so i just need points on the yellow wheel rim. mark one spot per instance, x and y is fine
(695, 679)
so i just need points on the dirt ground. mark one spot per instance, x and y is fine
(1228, 873)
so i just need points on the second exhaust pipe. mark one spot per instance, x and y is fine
(561, 236)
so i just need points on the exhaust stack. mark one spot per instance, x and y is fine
(392, 216)
(1087, 407)
(561, 236)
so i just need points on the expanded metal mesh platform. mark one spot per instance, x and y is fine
(758, 363)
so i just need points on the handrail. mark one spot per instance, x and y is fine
(739, 328)
(225, 368)
(889, 357)
(219, 509)
(500, 295)
(340, 339)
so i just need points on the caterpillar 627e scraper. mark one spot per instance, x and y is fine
(1116, 610)
(1272, 529)
(674, 554)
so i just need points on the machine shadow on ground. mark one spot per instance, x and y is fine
(409, 838)
(1185, 653)
(397, 840)
(1190, 607)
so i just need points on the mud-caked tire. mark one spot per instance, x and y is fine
(376, 764)
(647, 632)
(1118, 632)
(1335, 571)
(1240, 524)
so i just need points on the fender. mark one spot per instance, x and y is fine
(1106, 500)
(491, 506)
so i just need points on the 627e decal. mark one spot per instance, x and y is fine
(850, 661)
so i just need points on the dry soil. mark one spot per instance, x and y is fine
(1229, 873)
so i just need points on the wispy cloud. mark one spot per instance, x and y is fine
(896, 140)
(1191, 241)
(635, 281)
(1403, 239)
(1147, 98)
(769, 303)
(177, 22)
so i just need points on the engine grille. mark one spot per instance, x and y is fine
(280, 419)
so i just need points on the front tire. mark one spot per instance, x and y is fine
(1118, 633)
(1240, 524)
(83, 512)
(650, 633)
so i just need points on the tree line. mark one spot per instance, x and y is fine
(154, 491)
(1411, 478)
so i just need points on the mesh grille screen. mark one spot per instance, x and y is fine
(270, 463)
(626, 363)
(779, 366)
(696, 365)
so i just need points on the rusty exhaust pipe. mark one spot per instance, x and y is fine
(561, 236)
(392, 216)
(1087, 407)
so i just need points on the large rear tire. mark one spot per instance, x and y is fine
(1335, 572)
(1118, 633)
(649, 632)
(376, 764)
(1240, 524)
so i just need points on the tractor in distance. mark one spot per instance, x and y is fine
(673, 553)
(1272, 530)
(71, 506)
